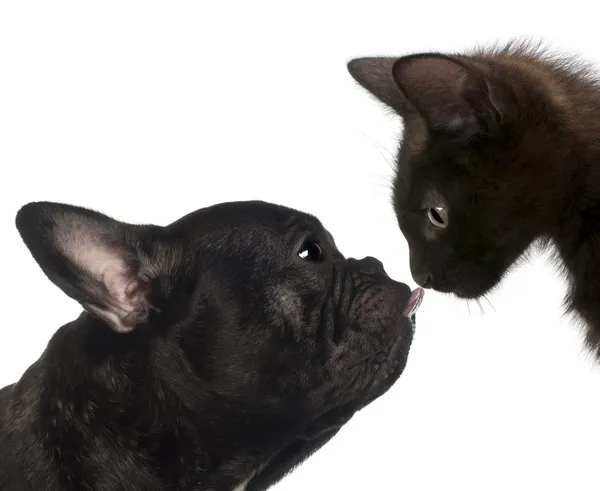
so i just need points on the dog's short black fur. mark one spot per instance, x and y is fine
(213, 354)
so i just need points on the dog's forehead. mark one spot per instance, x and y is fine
(247, 216)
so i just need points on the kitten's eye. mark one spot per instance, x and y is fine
(438, 217)
(311, 251)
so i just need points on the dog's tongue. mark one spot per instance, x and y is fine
(414, 302)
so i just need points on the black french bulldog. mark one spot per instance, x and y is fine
(216, 353)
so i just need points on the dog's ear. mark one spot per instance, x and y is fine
(375, 75)
(105, 265)
(451, 96)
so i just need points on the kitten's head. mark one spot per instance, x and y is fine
(476, 178)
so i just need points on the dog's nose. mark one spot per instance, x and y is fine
(423, 280)
(372, 264)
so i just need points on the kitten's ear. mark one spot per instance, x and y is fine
(452, 97)
(375, 75)
(94, 259)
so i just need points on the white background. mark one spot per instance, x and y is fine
(149, 110)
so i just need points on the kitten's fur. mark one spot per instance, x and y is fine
(506, 141)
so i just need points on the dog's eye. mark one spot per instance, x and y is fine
(311, 251)
(438, 216)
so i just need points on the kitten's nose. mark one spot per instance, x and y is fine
(423, 280)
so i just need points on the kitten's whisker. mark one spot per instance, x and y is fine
(489, 303)
(384, 181)
(390, 159)
(480, 307)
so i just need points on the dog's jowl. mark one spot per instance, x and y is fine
(215, 353)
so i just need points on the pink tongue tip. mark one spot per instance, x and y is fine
(414, 302)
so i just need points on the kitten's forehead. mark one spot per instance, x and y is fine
(422, 180)
(433, 197)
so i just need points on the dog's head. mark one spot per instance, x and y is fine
(249, 303)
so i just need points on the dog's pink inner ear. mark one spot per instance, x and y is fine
(110, 274)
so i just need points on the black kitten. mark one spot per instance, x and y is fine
(500, 148)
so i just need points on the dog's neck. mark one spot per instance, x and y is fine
(123, 389)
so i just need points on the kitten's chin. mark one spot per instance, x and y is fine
(468, 294)
(465, 289)
(463, 295)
